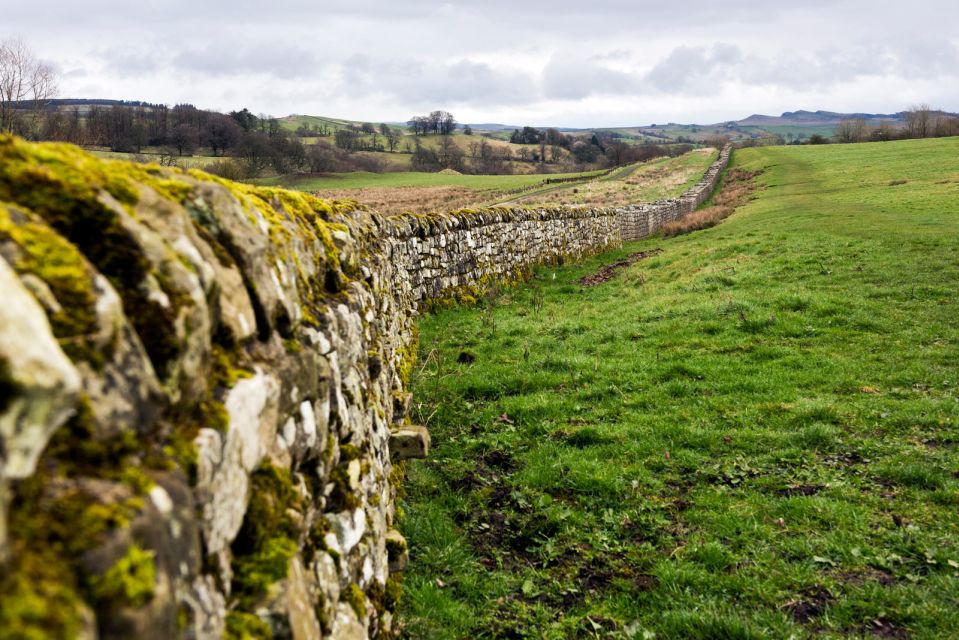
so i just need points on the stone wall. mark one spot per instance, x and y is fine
(203, 391)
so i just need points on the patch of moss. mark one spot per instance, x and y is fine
(129, 582)
(355, 597)
(349, 453)
(47, 255)
(38, 600)
(257, 571)
(397, 476)
(393, 592)
(272, 494)
(65, 187)
(246, 626)
(405, 358)
(75, 448)
(342, 497)
(41, 590)
(267, 539)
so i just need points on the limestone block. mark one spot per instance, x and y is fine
(397, 551)
(38, 383)
(409, 443)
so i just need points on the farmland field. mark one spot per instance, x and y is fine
(753, 433)
(398, 192)
(642, 182)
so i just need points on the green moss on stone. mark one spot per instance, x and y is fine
(257, 571)
(69, 189)
(38, 599)
(393, 592)
(246, 626)
(42, 590)
(47, 255)
(129, 582)
(342, 497)
(267, 539)
(355, 597)
(349, 453)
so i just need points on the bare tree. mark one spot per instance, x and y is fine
(852, 130)
(449, 154)
(392, 137)
(26, 84)
(183, 138)
(918, 121)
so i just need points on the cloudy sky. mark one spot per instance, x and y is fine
(560, 62)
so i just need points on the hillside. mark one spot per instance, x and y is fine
(751, 433)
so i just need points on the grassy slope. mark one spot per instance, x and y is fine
(754, 434)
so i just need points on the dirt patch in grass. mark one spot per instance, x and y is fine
(810, 605)
(882, 628)
(800, 490)
(737, 190)
(606, 273)
(867, 575)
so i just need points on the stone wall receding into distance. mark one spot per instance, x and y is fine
(203, 391)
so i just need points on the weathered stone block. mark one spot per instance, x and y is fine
(409, 443)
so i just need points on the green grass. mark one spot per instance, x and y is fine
(294, 122)
(754, 434)
(152, 155)
(362, 180)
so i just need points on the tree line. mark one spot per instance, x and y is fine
(921, 121)
(437, 122)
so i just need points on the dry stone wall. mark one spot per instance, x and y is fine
(203, 391)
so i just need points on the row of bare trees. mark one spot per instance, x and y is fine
(27, 84)
(921, 121)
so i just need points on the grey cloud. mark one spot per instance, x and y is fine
(279, 60)
(421, 83)
(568, 77)
(128, 62)
(694, 70)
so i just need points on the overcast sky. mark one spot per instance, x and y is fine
(545, 62)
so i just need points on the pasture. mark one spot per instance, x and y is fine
(753, 432)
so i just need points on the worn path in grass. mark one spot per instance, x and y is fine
(754, 434)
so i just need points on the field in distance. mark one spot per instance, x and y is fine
(752, 434)
(399, 192)
(640, 182)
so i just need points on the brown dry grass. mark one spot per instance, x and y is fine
(736, 191)
(396, 200)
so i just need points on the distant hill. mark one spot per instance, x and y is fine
(816, 118)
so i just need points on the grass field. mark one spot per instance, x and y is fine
(189, 162)
(642, 182)
(752, 434)
(362, 180)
